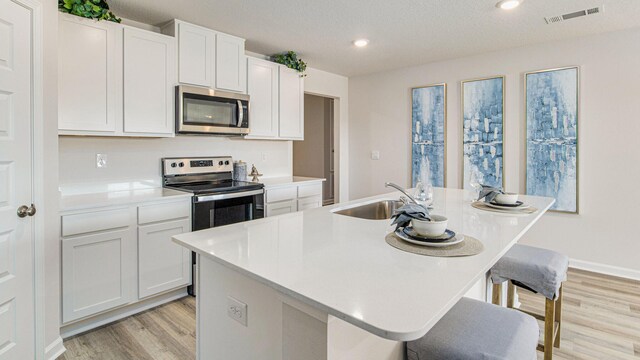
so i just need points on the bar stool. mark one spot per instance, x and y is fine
(477, 330)
(538, 270)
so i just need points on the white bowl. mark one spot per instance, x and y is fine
(506, 198)
(436, 227)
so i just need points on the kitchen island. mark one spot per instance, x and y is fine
(318, 285)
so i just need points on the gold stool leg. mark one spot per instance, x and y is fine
(558, 317)
(495, 296)
(511, 294)
(549, 316)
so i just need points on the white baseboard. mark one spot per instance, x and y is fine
(605, 269)
(54, 350)
(93, 322)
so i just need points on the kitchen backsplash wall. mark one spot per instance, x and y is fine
(138, 159)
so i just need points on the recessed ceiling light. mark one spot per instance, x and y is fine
(361, 42)
(508, 4)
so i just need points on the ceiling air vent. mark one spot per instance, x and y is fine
(573, 15)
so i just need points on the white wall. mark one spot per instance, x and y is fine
(605, 231)
(130, 159)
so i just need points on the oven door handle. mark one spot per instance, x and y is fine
(240, 114)
(227, 196)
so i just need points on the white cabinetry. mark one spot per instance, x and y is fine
(277, 101)
(262, 87)
(289, 198)
(209, 58)
(291, 104)
(149, 76)
(114, 80)
(89, 75)
(106, 253)
(98, 271)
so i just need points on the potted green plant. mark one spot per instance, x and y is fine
(290, 59)
(91, 9)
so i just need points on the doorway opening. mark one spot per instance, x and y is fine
(314, 157)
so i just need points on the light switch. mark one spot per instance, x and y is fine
(375, 155)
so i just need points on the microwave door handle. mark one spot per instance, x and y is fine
(240, 114)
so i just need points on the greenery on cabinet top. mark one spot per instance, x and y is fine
(91, 9)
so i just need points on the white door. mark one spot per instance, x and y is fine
(196, 55)
(16, 233)
(149, 80)
(291, 104)
(231, 64)
(262, 86)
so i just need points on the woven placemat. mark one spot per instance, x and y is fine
(470, 246)
(483, 206)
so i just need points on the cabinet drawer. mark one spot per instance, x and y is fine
(281, 194)
(309, 190)
(94, 221)
(283, 207)
(311, 202)
(163, 212)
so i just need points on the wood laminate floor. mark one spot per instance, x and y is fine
(601, 321)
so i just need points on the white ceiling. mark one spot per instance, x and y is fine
(402, 32)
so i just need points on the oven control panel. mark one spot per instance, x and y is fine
(185, 166)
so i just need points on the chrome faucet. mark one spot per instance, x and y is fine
(399, 188)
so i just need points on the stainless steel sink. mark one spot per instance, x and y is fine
(380, 210)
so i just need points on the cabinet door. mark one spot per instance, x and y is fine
(97, 273)
(149, 80)
(279, 208)
(310, 203)
(291, 104)
(162, 264)
(89, 75)
(262, 86)
(231, 65)
(196, 55)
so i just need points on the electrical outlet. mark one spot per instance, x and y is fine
(375, 155)
(101, 161)
(237, 310)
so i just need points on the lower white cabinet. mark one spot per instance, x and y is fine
(98, 273)
(286, 199)
(162, 264)
(107, 253)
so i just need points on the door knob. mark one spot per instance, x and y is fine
(24, 210)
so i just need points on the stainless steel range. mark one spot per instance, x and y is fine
(217, 199)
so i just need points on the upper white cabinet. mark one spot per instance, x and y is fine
(89, 75)
(231, 66)
(209, 58)
(291, 104)
(114, 80)
(277, 101)
(262, 87)
(196, 54)
(149, 76)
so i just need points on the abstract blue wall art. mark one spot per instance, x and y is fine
(429, 120)
(552, 136)
(483, 124)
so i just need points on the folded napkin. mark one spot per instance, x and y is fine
(403, 215)
(489, 193)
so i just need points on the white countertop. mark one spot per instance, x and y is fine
(343, 266)
(288, 180)
(83, 201)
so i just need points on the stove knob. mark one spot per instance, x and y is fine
(181, 164)
(173, 165)
(220, 163)
(226, 162)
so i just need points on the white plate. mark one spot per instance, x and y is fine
(456, 240)
(511, 208)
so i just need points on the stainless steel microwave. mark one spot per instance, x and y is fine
(207, 111)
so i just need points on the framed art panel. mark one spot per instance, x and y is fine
(428, 134)
(551, 113)
(483, 132)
